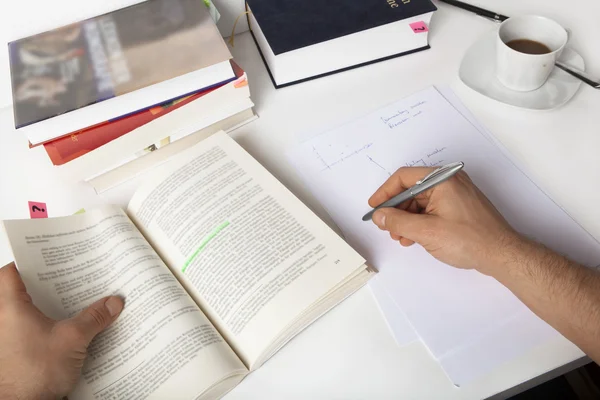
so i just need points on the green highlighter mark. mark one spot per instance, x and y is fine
(203, 244)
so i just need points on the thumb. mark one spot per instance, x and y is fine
(10, 281)
(94, 319)
(403, 223)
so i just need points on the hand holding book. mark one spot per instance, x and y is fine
(219, 266)
(60, 347)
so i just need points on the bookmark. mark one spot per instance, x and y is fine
(38, 210)
(419, 27)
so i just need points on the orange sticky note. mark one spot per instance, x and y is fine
(38, 210)
(419, 27)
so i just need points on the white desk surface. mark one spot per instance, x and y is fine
(349, 353)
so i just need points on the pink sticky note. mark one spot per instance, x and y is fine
(38, 210)
(419, 27)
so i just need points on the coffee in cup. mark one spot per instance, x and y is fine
(526, 49)
(528, 46)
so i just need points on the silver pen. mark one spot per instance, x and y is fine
(435, 178)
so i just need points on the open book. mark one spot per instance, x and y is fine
(219, 266)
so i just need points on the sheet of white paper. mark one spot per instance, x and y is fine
(515, 337)
(451, 310)
(400, 327)
(512, 339)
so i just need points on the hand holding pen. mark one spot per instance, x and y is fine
(453, 221)
(433, 179)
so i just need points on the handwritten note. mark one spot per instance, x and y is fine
(345, 166)
(419, 27)
(401, 116)
(369, 153)
(38, 210)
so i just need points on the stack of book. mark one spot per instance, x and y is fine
(105, 94)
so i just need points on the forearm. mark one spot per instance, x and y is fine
(563, 293)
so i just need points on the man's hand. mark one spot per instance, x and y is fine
(458, 225)
(454, 221)
(41, 358)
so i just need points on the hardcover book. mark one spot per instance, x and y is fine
(301, 40)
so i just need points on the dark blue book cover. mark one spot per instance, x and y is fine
(292, 24)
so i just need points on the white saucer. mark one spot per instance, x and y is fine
(478, 71)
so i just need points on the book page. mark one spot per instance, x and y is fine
(162, 345)
(251, 253)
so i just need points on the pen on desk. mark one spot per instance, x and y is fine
(433, 179)
(477, 10)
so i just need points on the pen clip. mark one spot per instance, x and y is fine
(439, 171)
(497, 18)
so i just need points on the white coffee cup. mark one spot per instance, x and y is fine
(521, 71)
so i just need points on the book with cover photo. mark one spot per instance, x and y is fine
(111, 56)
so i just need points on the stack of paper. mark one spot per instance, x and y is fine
(469, 322)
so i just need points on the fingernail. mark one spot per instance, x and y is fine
(379, 219)
(114, 305)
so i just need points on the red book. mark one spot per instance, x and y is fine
(70, 147)
(78, 143)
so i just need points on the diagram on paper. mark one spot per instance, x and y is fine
(370, 148)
